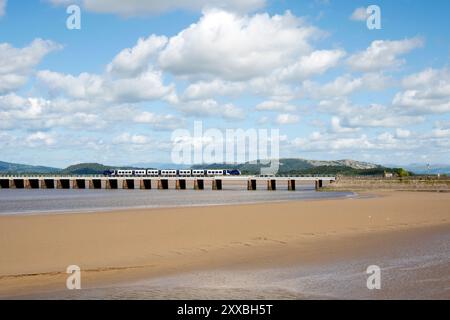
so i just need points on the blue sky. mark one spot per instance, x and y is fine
(115, 90)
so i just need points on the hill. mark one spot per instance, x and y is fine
(16, 168)
(90, 168)
(303, 166)
(421, 168)
(287, 166)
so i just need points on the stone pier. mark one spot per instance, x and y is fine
(146, 184)
(271, 185)
(180, 184)
(319, 184)
(199, 184)
(163, 184)
(251, 184)
(217, 184)
(291, 185)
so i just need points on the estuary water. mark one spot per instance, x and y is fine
(35, 201)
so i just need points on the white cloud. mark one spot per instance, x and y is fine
(211, 108)
(379, 116)
(208, 89)
(402, 133)
(235, 47)
(40, 138)
(338, 128)
(427, 92)
(345, 85)
(345, 143)
(272, 105)
(373, 115)
(158, 121)
(40, 114)
(287, 118)
(383, 54)
(331, 142)
(78, 120)
(2, 7)
(318, 62)
(133, 61)
(359, 14)
(16, 64)
(127, 138)
(146, 86)
(441, 133)
(425, 77)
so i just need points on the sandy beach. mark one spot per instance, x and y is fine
(128, 245)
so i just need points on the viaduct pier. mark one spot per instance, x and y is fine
(161, 183)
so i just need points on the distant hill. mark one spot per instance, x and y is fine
(90, 168)
(287, 166)
(86, 168)
(303, 166)
(16, 168)
(421, 168)
(78, 169)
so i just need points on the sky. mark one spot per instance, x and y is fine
(116, 90)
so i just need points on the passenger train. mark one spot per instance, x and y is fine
(172, 173)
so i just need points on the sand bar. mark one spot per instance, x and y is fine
(131, 244)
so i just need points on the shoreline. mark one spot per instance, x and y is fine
(128, 245)
(287, 196)
(342, 195)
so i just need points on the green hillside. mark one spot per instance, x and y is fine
(308, 167)
(16, 168)
(90, 168)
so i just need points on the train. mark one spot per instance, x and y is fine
(171, 172)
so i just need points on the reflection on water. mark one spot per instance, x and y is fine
(45, 200)
(413, 270)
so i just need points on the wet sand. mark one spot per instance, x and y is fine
(125, 246)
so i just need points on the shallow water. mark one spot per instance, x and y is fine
(418, 269)
(25, 201)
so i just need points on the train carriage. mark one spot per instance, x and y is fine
(171, 172)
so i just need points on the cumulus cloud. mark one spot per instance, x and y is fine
(345, 85)
(237, 47)
(158, 121)
(40, 138)
(127, 138)
(211, 108)
(425, 92)
(317, 141)
(19, 112)
(351, 143)
(287, 118)
(272, 105)
(372, 115)
(146, 86)
(402, 133)
(316, 63)
(382, 54)
(16, 64)
(338, 128)
(216, 87)
(133, 61)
